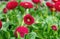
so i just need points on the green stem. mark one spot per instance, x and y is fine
(53, 14)
(22, 23)
(41, 15)
(46, 13)
(7, 19)
(48, 27)
(27, 11)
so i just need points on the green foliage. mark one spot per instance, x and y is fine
(44, 19)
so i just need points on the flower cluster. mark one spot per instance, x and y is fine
(54, 6)
(28, 19)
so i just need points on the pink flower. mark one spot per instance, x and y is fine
(21, 30)
(11, 5)
(5, 10)
(54, 27)
(26, 4)
(0, 24)
(28, 19)
(36, 1)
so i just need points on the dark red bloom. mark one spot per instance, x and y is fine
(36, 1)
(5, 10)
(54, 27)
(28, 19)
(55, 1)
(0, 24)
(26, 4)
(57, 6)
(21, 30)
(11, 5)
(49, 4)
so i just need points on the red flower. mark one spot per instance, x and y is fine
(54, 28)
(55, 1)
(5, 10)
(12, 0)
(49, 4)
(11, 5)
(26, 4)
(0, 24)
(28, 19)
(21, 30)
(57, 6)
(53, 9)
(36, 1)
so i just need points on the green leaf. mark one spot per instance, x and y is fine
(5, 26)
(31, 35)
(12, 38)
(19, 0)
(21, 9)
(4, 34)
(18, 36)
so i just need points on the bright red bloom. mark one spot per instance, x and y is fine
(49, 4)
(28, 19)
(21, 30)
(57, 6)
(26, 4)
(0, 24)
(55, 1)
(54, 27)
(11, 5)
(5, 10)
(53, 9)
(36, 1)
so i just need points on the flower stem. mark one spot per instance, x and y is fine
(53, 14)
(46, 13)
(48, 27)
(27, 11)
(22, 23)
(7, 19)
